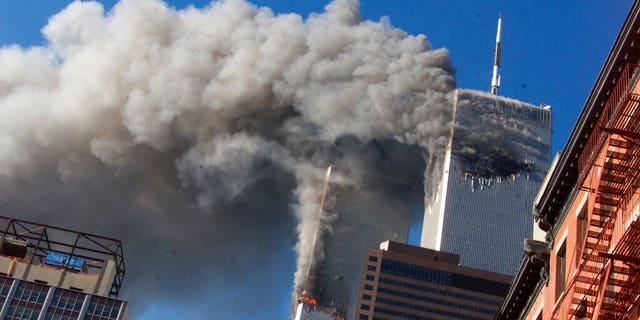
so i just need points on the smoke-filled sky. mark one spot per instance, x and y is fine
(199, 136)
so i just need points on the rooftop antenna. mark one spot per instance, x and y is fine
(495, 80)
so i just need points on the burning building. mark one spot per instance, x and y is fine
(212, 127)
(363, 208)
(495, 161)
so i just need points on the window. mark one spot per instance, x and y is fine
(581, 231)
(561, 269)
(102, 308)
(66, 304)
(364, 307)
(368, 287)
(370, 277)
(366, 297)
(27, 301)
(363, 317)
(371, 268)
(373, 259)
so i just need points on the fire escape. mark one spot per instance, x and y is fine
(605, 281)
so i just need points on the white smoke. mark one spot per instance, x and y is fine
(148, 116)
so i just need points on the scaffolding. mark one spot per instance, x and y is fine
(38, 241)
(604, 282)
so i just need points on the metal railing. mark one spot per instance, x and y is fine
(42, 239)
(610, 114)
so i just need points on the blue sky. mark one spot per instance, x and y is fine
(552, 53)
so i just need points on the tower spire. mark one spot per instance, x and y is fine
(495, 80)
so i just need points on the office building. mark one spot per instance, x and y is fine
(400, 281)
(494, 163)
(53, 273)
(590, 205)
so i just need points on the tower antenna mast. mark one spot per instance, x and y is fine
(495, 80)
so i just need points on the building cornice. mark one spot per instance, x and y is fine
(563, 180)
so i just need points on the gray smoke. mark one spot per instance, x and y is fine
(494, 138)
(200, 137)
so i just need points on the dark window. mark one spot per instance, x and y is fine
(363, 317)
(380, 308)
(436, 276)
(439, 292)
(102, 308)
(368, 287)
(371, 268)
(581, 226)
(372, 258)
(366, 297)
(65, 302)
(370, 277)
(405, 296)
(364, 307)
(561, 269)
(27, 301)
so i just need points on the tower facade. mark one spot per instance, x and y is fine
(494, 163)
(366, 203)
(54, 273)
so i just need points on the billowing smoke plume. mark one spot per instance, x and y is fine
(200, 137)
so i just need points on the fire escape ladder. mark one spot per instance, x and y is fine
(606, 282)
(625, 254)
(595, 283)
(630, 249)
(590, 282)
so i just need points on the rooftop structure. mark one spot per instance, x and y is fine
(47, 271)
(495, 79)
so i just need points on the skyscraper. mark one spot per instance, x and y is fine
(55, 273)
(400, 281)
(494, 163)
(367, 202)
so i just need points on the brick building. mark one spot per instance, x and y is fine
(587, 266)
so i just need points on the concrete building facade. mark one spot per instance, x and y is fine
(400, 281)
(54, 273)
(590, 206)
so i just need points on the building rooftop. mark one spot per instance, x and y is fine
(423, 253)
(61, 249)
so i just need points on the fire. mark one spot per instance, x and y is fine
(307, 299)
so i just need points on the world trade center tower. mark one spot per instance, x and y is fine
(480, 204)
